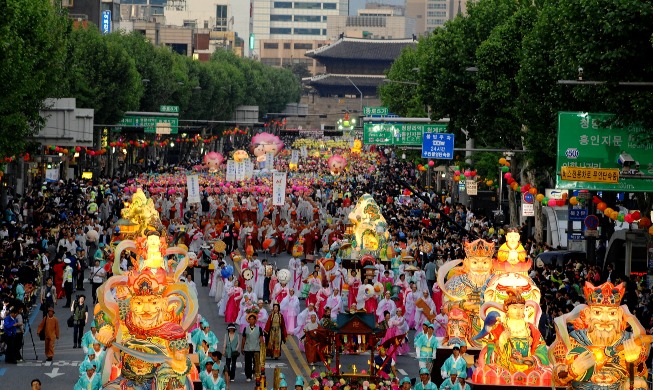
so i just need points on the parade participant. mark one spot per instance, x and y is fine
(259, 277)
(322, 296)
(315, 284)
(262, 314)
(50, 328)
(208, 368)
(425, 381)
(440, 323)
(450, 382)
(387, 281)
(381, 366)
(462, 382)
(89, 337)
(385, 305)
(250, 294)
(600, 325)
(80, 318)
(437, 297)
(302, 275)
(469, 359)
(214, 381)
(290, 309)
(275, 332)
(334, 302)
(327, 322)
(409, 303)
(299, 383)
(397, 325)
(227, 290)
(420, 315)
(218, 281)
(67, 285)
(230, 350)
(233, 303)
(295, 265)
(246, 307)
(251, 345)
(384, 324)
(48, 296)
(279, 292)
(309, 344)
(304, 318)
(454, 363)
(426, 346)
(89, 379)
(354, 284)
(205, 334)
(90, 358)
(405, 383)
(204, 352)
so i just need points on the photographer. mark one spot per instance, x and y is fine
(80, 318)
(12, 337)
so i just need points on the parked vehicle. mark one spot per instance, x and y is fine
(559, 258)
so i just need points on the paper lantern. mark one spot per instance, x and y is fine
(456, 173)
(607, 212)
(644, 222)
(596, 199)
(545, 201)
(560, 202)
(628, 218)
(621, 217)
(502, 161)
(532, 191)
(491, 230)
(78, 149)
(489, 182)
(507, 175)
(573, 201)
(614, 215)
(551, 202)
(650, 230)
(601, 206)
(636, 215)
(468, 173)
(539, 197)
(505, 169)
(431, 163)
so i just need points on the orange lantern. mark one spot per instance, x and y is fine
(532, 191)
(539, 197)
(601, 206)
(573, 201)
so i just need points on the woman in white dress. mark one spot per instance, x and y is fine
(218, 282)
(216, 270)
(228, 286)
(290, 309)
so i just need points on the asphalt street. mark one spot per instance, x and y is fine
(63, 371)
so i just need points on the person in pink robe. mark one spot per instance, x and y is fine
(354, 284)
(409, 303)
(397, 325)
(290, 309)
(280, 292)
(437, 297)
(322, 297)
(386, 304)
(233, 303)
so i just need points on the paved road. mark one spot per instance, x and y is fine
(62, 373)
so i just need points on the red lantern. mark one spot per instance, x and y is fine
(636, 215)
(596, 199)
(26, 157)
(628, 218)
(78, 149)
(560, 202)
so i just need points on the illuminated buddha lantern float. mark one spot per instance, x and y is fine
(370, 227)
(144, 314)
(599, 353)
(264, 143)
(463, 291)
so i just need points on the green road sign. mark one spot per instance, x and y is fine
(169, 109)
(371, 110)
(399, 134)
(152, 123)
(583, 143)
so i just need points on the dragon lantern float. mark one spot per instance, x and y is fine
(143, 315)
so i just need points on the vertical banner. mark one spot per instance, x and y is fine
(240, 171)
(279, 189)
(269, 161)
(294, 158)
(193, 186)
(231, 170)
(249, 169)
(52, 175)
(304, 151)
(472, 187)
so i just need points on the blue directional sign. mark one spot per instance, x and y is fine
(106, 22)
(438, 145)
(575, 236)
(577, 214)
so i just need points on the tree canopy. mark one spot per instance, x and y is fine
(495, 71)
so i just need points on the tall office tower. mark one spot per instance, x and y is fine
(431, 14)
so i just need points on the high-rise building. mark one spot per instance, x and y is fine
(432, 14)
(378, 21)
(283, 30)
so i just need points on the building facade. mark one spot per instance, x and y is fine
(282, 31)
(432, 14)
(376, 22)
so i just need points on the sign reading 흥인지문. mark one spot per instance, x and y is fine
(279, 188)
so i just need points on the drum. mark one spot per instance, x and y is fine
(269, 243)
(219, 246)
(328, 263)
(248, 274)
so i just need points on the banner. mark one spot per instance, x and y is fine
(304, 151)
(269, 161)
(279, 189)
(231, 170)
(52, 175)
(193, 186)
(249, 169)
(472, 187)
(294, 158)
(240, 171)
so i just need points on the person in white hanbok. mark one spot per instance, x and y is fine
(259, 275)
(420, 316)
(295, 267)
(420, 280)
(334, 302)
(263, 315)
(303, 318)
(216, 269)
(228, 286)
(385, 304)
(218, 282)
(290, 309)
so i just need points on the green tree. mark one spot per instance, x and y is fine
(102, 75)
(400, 95)
(32, 52)
(299, 69)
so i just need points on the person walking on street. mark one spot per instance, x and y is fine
(36, 384)
(230, 350)
(97, 278)
(50, 326)
(80, 318)
(11, 326)
(48, 296)
(251, 346)
(68, 281)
